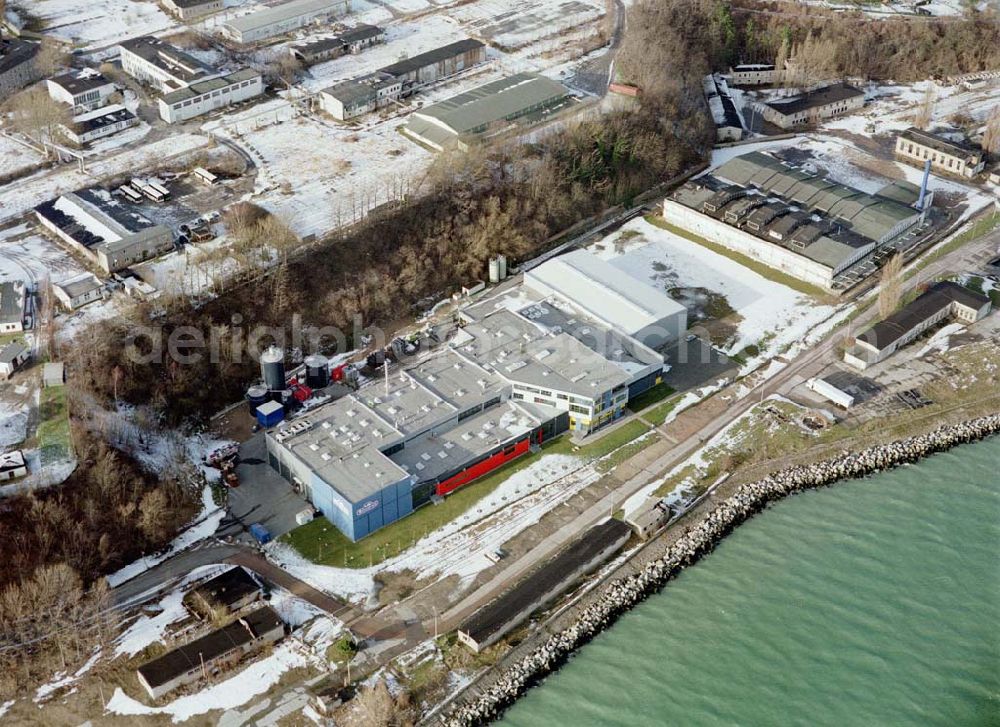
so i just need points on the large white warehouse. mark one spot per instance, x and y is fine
(611, 296)
(284, 18)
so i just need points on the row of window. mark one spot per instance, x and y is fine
(945, 160)
(214, 94)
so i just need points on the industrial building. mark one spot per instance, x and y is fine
(523, 368)
(76, 292)
(209, 94)
(794, 220)
(191, 9)
(160, 64)
(99, 123)
(960, 159)
(942, 300)
(211, 652)
(522, 99)
(226, 593)
(107, 233)
(351, 41)
(283, 18)
(357, 97)
(12, 357)
(84, 90)
(813, 106)
(17, 64)
(753, 74)
(728, 126)
(502, 615)
(13, 306)
(610, 296)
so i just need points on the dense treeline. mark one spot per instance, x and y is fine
(852, 44)
(108, 513)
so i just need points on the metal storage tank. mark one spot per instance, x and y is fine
(502, 265)
(317, 371)
(494, 270)
(272, 368)
(256, 395)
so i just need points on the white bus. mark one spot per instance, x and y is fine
(148, 190)
(130, 194)
(156, 185)
(205, 176)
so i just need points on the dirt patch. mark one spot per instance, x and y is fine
(709, 311)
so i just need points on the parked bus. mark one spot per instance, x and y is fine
(130, 194)
(205, 176)
(159, 188)
(148, 190)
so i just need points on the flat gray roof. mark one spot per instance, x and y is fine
(11, 302)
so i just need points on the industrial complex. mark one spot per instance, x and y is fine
(523, 368)
(794, 220)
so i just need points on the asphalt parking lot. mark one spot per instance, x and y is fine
(263, 496)
(695, 364)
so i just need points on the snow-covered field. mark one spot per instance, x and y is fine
(513, 24)
(98, 23)
(26, 255)
(15, 158)
(319, 174)
(773, 316)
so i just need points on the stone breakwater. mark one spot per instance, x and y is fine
(699, 539)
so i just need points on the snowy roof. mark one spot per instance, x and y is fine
(78, 82)
(166, 57)
(431, 57)
(210, 84)
(282, 12)
(602, 290)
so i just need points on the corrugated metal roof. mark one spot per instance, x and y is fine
(494, 102)
(279, 13)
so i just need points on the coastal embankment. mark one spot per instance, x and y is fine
(697, 540)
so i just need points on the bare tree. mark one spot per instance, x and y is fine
(925, 111)
(891, 286)
(991, 136)
(51, 58)
(36, 115)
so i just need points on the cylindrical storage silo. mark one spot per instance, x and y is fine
(494, 270)
(317, 371)
(272, 368)
(502, 266)
(256, 395)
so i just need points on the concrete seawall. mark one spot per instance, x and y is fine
(699, 539)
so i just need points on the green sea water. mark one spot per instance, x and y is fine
(873, 602)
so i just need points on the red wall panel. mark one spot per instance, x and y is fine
(487, 465)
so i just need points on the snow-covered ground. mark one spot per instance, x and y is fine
(26, 255)
(772, 315)
(97, 23)
(13, 424)
(15, 157)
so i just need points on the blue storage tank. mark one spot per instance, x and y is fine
(270, 413)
